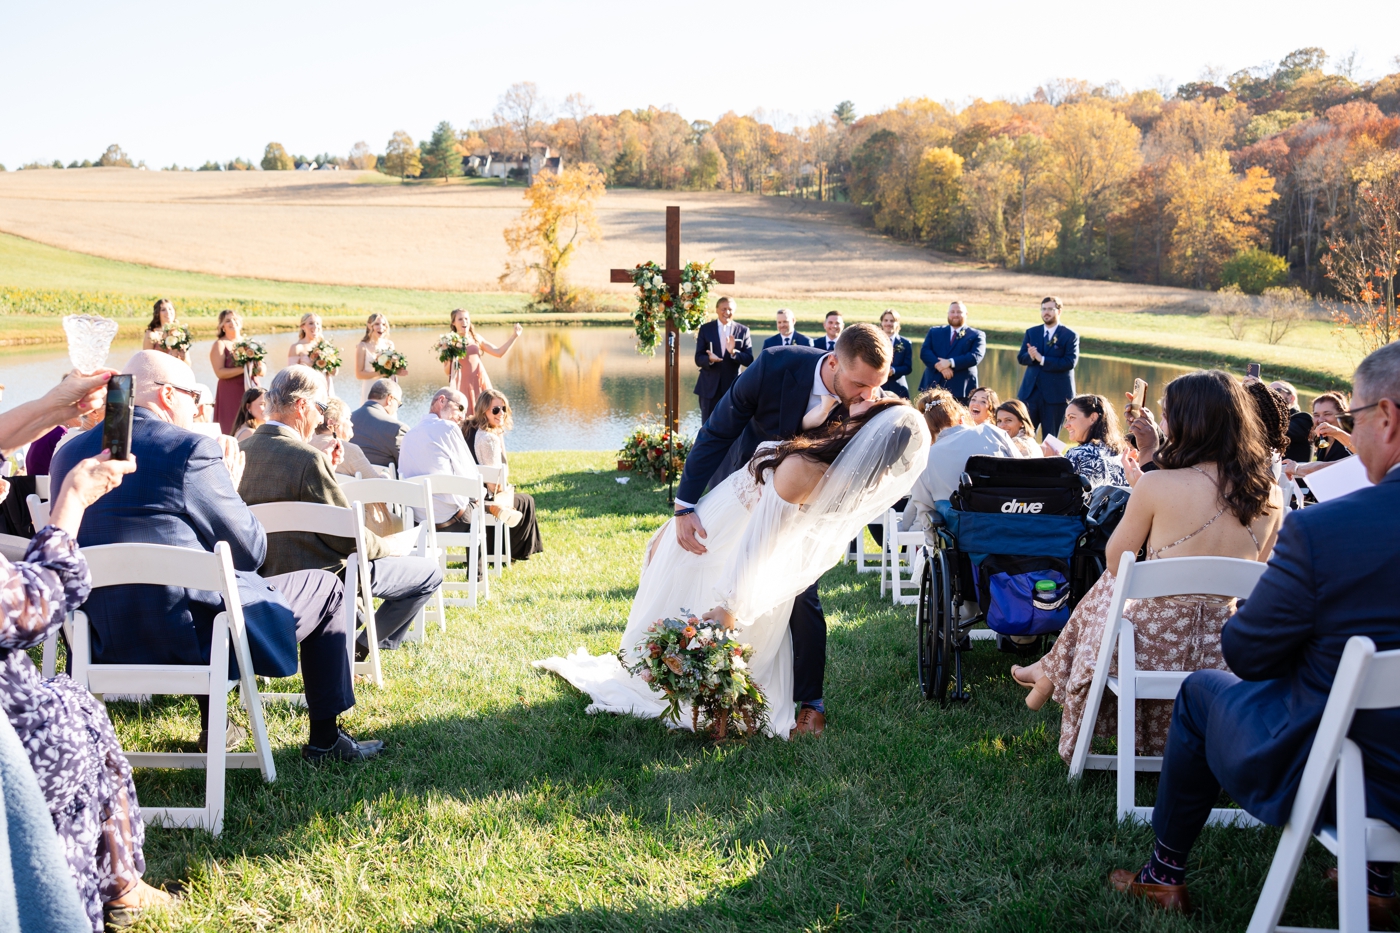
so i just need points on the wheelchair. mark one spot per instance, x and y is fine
(1007, 558)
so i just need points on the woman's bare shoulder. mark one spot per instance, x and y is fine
(796, 477)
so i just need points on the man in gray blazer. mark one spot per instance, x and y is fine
(378, 430)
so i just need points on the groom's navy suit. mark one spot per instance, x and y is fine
(766, 403)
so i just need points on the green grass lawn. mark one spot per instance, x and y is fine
(500, 805)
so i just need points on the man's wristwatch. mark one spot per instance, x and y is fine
(687, 511)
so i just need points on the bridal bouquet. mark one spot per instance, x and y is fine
(389, 363)
(325, 358)
(175, 336)
(451, 346)
(701, 664)
(247, 352)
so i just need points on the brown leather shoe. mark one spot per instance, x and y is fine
(810, 720)
(1165, 896)
(1382, 911)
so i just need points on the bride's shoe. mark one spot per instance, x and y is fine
(1025, 676)
(1040, 693)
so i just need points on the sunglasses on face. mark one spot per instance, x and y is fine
(498, 409)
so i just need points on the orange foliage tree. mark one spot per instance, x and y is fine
(560, 216)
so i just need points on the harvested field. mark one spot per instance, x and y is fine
(325, 228)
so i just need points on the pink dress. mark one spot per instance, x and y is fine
(471, 376)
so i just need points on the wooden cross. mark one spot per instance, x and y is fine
(672, 277)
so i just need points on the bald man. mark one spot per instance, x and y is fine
(184, 493)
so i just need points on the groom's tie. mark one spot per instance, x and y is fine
(816, 416)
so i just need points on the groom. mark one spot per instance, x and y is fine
(786, 392)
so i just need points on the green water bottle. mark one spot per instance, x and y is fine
(1044, 596)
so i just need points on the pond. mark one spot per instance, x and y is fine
(571, 388)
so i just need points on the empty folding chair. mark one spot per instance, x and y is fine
(470, 544)
(407, 496)
(902, 549)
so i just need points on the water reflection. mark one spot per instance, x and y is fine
(572, 388)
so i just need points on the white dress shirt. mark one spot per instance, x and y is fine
(1050, 332)
(437, 446)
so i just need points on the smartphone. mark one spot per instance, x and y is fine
(116, 424)
(1139, 398)
(1253, 370)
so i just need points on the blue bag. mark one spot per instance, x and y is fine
(1013, 603)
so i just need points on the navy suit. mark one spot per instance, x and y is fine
(716, 378)
(966, 351)
(824, 343)
(1331, 576)
(798, 340)
(901, 365)
(767, 402)
(182, 495)
(1047, 387)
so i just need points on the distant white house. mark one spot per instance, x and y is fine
(540, 160)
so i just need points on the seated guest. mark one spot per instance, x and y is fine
(982, 405)
(1212, 494)
(1092, 425)
(252, 413)
(40, 453)
(1272, 412)
(1015, 420)
(436, 445)
(376, 424)
(485, 435)
(204, 408)
(1249, 731)
(786, 335)
(1330, 437)
(283, 467)
(335, 432)
(1300, 424)
(187, 497)
(955, 438)
(902, 359)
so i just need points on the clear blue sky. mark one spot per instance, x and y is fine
(189, 81)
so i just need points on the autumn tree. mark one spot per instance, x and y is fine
(523, 109)
(1215, 213)
(401, 156)
(560, 216)
(115, 156)
(361, 157)
(1095, 153)
(441, 155)
(936, 194)
(276, 159)
(1364, 267)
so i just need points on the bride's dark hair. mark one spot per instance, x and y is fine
(822, 445)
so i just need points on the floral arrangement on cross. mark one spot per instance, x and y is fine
(652, 451)
(656, 306)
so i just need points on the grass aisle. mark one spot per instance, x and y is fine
(501, 806)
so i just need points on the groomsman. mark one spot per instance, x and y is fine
(786, 335)
(902, 362)
(951, 353)
(1050, 352)
(833, 325)
(722, 348)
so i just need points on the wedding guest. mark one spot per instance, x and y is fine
(955, 438)
(229, 397)
(337, 427)
(485, 435)
(1272, 412)
(374, 342)
(723, 347)
(434, 446)
(162, 313)
(982, 405)
(951, 353)
(252, 413)
(1300, 424)
(833, 325)
(204, 405)
(186, 496)
(471, 378)
(1248, 732)
(1050, 354)
(1330, 436)
(283, 467)
(40, 453)
(308, 335)
(1092, 425)
(1013, 418)
(787, 335)
(377, 425)
(902, 363)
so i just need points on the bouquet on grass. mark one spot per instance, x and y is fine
(249, 354)
(175, 336)
(703, 665)
(325, 358)
(646, 449)
(451, 346)
(389, 362)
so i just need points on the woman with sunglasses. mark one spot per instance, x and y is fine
(485, 432)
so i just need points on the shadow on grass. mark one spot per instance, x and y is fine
(586, 494)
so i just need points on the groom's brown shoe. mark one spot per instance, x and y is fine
(810, 720)
(1165, 896)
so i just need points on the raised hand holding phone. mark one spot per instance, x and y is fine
(116, 424)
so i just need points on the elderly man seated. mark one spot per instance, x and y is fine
(436, 445)
(283, 467)
(376, 423)
(185, 496)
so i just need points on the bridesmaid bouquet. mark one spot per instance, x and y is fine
(325, 358)
(695, 662)
(247, 352)
(451, 346)
(175, 336)
(389, 363)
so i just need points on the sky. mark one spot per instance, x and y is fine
(190, 81)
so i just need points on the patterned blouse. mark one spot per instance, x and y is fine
(1096, 463)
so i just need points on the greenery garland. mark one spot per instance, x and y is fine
(656, 307)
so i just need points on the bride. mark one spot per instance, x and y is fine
(773, 529)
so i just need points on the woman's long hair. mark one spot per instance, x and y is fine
(1273, 413)
(941, 411)
(823, 445)
(306, 318)
(224, 317)
(471, 328)
(369, 337)
(1105, 431)
(1211, 419)
(244, 410)
(483, 402)
(161, 303)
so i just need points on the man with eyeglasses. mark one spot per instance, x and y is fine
(184, 493)
(435, 445)
(283, 467)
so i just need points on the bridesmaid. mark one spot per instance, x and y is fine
(375, 342)
(228, 397)
(471, 378)
(162, 313)
(307, 335)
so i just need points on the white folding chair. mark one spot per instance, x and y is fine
(865, 561)
(392, 471)
(470, 543)
(1173, 576)
(407, 496)
(14, 548)
(1366, 679)
(41, 487)
(902, 549)
(38, 510)
(162, 565)
(321, 519)
(499, 474)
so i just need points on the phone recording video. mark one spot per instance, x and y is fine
(1136, 399)
(116, 423)
(1253, 370)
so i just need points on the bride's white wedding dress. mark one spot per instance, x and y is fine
(761, 552)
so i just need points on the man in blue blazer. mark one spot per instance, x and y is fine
(787, 391)
(901, 355)
(723, 347)
(1332, 576)
(950, 355)
(183, 493)
(786, 335)
(1049, 352)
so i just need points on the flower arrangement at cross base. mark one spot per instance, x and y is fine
(656, 306)
(174, 336)
(389, 363)
(325, 358)
(702, 665)
(651, 451)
